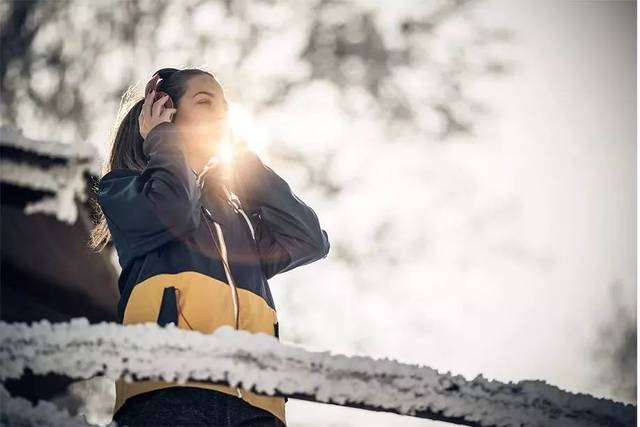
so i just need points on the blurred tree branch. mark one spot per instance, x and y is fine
(66, 64)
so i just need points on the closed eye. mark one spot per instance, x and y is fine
(204, 101)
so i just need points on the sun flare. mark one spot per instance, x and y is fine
(244, 130)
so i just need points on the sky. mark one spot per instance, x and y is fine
(521, 290)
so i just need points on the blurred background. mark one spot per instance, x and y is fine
(473, 162)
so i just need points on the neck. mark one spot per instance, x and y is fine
(197, 159)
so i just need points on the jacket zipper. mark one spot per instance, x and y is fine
(233, 200)
(223, 250)
(234, 291)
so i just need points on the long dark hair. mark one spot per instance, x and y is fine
(126, 147)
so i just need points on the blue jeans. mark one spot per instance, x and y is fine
(192, 406)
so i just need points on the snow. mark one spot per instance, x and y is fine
(66, 181)
(12, 137)
(82, 350)
(20, 412)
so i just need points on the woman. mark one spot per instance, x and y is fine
(197, 242)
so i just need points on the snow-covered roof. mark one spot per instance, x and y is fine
(13, 137)
(59, 170)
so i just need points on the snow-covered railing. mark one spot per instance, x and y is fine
(261, 363)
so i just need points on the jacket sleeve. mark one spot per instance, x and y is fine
(148, 208)
(287, 231)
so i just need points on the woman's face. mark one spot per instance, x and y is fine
(201, 115)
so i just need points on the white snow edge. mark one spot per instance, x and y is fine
(82, 350)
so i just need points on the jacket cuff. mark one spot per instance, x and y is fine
(152, 136)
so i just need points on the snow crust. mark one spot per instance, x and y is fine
(82, 350)
(12, 137)
(67, 182)
(17, 411)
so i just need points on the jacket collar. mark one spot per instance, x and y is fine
(215, 193)
(211, 165)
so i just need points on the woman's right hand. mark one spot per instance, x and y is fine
(154, 113)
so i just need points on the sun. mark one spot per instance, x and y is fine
(243, 131)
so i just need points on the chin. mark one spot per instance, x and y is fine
(208, 149)
(205, 138)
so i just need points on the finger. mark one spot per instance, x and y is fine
(168, 113)
(146, 107)
(157, 106)
(152, 83)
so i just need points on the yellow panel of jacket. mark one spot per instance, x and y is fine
(170, 228)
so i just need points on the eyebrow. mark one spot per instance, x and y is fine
(205, 92)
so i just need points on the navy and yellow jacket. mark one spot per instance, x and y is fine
(162, 221)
